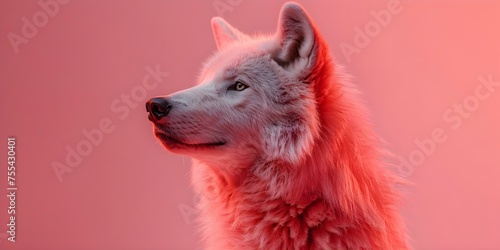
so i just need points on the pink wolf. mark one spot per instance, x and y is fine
(283, 154)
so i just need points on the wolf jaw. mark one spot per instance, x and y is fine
(170, 141)
(299, 168)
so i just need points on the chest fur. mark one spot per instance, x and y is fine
(253, 219)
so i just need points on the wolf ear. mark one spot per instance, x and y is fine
(296, 35)
(224, 33)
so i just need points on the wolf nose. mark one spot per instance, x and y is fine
(157, 107)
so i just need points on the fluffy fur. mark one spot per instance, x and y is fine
(288, 162)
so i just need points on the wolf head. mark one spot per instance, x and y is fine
(256, 99)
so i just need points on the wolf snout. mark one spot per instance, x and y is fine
(157, 108)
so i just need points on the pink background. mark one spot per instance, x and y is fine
(128, 193)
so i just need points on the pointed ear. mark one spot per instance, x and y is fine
(224, 33)
(296, 35)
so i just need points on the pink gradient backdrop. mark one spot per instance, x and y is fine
(128, 193)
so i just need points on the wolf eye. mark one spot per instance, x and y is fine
(238, 86)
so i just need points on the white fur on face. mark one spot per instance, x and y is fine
(275, 118)
(271, 114)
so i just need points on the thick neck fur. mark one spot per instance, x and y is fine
(338, 197)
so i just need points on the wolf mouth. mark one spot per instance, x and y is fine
(167, 139)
